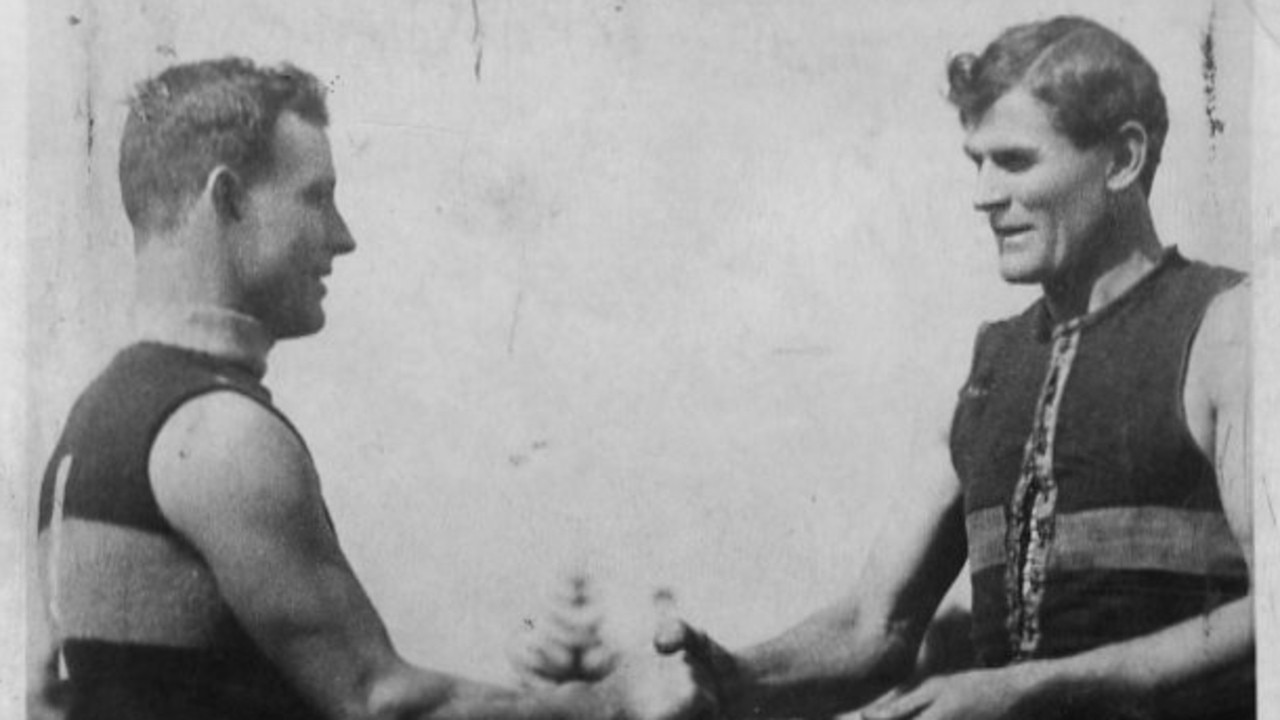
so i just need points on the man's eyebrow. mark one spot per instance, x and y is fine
(1009, 148)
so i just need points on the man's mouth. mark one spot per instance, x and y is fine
(1008, 231)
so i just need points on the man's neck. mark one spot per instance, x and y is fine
(1123, 253)
(206, 329)
(186, 267)
(186, 296)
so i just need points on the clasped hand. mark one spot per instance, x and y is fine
(680, 682)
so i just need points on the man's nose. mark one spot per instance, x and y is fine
(340, 240)
(989, 192)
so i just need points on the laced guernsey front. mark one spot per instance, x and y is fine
(1030, 513)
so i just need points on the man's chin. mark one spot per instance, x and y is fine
(311, 328)
(1015, 275)
(302, 327)
(1019, 277)
(1018, 269)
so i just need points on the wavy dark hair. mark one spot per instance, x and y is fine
(1092, 80)
(193, 117)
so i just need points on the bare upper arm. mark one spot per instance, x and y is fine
(233, 478)
(1217, 398)
(237, 483)
(921, 545)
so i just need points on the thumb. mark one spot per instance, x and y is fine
(672, 636)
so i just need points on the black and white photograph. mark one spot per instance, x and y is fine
(640, 360)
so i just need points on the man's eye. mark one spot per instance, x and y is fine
(1013, 162)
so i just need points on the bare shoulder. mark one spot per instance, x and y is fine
(224, 454)
(1227, 319)
(1219, 356)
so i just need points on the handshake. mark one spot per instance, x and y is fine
(689, 677)
(686, 678)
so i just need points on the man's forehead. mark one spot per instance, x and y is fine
(1015, 119)
(301, 146)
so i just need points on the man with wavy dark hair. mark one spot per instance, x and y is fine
(1093, 80)
(1096, 480)
(189, 562)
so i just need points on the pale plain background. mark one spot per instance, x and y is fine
(661, 289)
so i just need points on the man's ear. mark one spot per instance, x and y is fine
(226, 193)
(1128, 157)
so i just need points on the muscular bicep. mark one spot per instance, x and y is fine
(921, 545)
(1218, 402)
(238, 484)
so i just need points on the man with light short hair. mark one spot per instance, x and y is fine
(191, 567)
(1097, 478)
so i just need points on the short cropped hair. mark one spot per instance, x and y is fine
(193, 117)
(1092, 79)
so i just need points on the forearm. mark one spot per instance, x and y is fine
(1203, 658)
(424, 695)
(850, 653)
(350, 670)
(830, 663)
